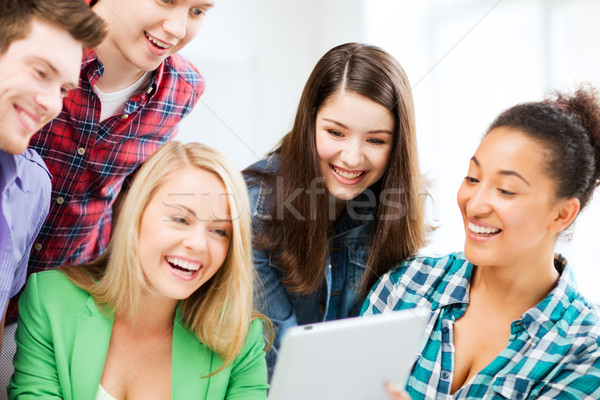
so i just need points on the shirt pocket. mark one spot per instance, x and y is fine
(512, 387)
(357, 256)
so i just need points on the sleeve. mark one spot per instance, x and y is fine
(39, 201)
(35, 374)
(383, 297)
(248, 379)
(273, 301)
(579, 379)
(270, 295)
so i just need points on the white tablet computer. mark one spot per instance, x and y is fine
(348, 359)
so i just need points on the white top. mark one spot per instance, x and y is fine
(102, 394)
(114, 103)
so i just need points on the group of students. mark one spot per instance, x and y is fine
(207, 267)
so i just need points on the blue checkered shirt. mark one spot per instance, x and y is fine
(553, 351)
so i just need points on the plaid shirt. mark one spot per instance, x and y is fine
(89, 160)
(553, 350)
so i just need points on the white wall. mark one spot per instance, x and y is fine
(256, 56)
(467, 61)
(470, 59)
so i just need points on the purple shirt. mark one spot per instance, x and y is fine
(24, 203)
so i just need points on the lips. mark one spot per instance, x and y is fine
(484, 231)
(156, 42)
(183, 267)
(29, 120)
(156, 46)
(346, 176)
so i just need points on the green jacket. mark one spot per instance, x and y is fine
(62, 341)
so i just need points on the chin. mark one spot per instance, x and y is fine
(345, 194)
(474, 257)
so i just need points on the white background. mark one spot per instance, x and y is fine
(467, 61)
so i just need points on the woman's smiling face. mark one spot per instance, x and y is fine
(354, 138)
(185, 233)
(507, 200)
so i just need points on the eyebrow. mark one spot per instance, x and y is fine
(345, 127)
(505, 172)
(189, 210)
(55, 71)
(209, 4)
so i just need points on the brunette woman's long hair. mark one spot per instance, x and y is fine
(297, 235)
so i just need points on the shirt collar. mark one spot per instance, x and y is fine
(359, 212)
(456, 281)
(92, 65)
(538, 320)
(545, 315)
(9, 169)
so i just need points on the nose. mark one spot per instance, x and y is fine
(352, 155)
(478, 201)
(50, 101)
(175, 22)
(195, 240)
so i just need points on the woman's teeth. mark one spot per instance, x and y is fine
(482, 230)
(184, 266)
(347, 175)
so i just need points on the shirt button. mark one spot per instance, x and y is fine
(124, 116)
(81, 151)
(445, 330)
(150, 90)
(445, 375)
(60, 200)
(38, 246)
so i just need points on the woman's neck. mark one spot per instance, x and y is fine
(152, 316)
(521, 285)
(338, 205)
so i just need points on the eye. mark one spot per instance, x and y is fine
(506, 192)
(40, 73)
(221, 232)
(180, 220)
(376, 141)
(470, 179)
(335, 133)
(197, 12)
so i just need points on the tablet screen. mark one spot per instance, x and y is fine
(348, 359)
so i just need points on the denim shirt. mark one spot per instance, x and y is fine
(338, 296)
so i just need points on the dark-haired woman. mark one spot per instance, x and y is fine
(343, 184)
(508, 320)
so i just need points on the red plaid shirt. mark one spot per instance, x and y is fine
(89, 159)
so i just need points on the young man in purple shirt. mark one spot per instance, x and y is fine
(40, 55)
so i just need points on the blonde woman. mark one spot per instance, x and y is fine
(166, 311)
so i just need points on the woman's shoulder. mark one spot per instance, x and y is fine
(253, 174)
(259, 189)
(577, 316)
(53, 289)
(53, 278)
(422, 267)
(419, 280)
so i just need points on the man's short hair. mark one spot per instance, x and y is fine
(74, 16)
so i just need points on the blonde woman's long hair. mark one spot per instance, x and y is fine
(220, 311)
